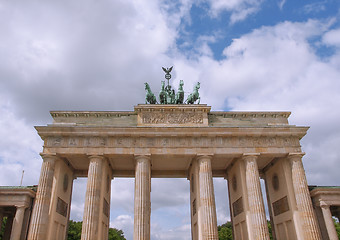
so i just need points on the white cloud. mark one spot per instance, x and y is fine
(182, 232)
(240, 9)
(281, 4)
(125, 223)
(315, 7)
(19, 148)
(332, 38)
(77, 53)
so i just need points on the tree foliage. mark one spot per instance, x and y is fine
(116, 234)
(225, 231)
(3, 228)
(74, 232)
(337, 227)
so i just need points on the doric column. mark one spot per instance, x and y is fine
(40, 216)
(17, 222)
(309, 226)
(258, 225)
(327, 215)
(207, 209)
(92, 199)
(142, 198)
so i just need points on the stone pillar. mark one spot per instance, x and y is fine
(142, 198)
(258, 222)
(327, 215)
(40, 215)
(92, 199)
(207, 218)
(17, 223)
(309, 226)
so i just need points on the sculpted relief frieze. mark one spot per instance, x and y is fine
(172, 118)
(168, 142)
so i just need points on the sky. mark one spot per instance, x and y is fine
(248, 55)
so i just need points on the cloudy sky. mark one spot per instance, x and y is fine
(256, 55)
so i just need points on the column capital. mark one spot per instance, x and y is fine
(202, 156)
(324, 205)
(99, 156)
(49, 157)
(250, 156)
(21, 206)
(295, 156)
(142, 156)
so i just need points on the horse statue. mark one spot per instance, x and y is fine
(162, 94)
(170, 95)
(150, 97)
(194, 95)
(180, 94)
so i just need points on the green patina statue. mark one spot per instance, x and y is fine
(162, 94)
(194, 95)
(180, 93)
(167, 95)
(150, 97)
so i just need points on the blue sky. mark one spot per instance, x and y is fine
(203, 22)
(248, 55)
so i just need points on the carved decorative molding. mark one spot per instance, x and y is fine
(177, 142)
(172, 118)
(173, 115)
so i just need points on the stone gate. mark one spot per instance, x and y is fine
(175, 141)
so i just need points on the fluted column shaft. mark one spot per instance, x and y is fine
(208, 220)
(327, 215)
(304, 205)
(258, 219)
(142, 198)
(17, 223)
(40, 215)
(92, 199)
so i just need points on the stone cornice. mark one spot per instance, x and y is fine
(51, 130)
(18, 192)
(98, 114)
(325, 191)
(239, 114)
(169, 115)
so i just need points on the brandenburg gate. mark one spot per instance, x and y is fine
(175, 141)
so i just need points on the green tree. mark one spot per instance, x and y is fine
(74, 232)
(337, 227)
(225, 231)
(270, 230)
(116, 234)
(3, 227)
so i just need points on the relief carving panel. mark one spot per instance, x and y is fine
(238, 207)
(172, 118)
(62, 207)
(178, 142)
(280, 206)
